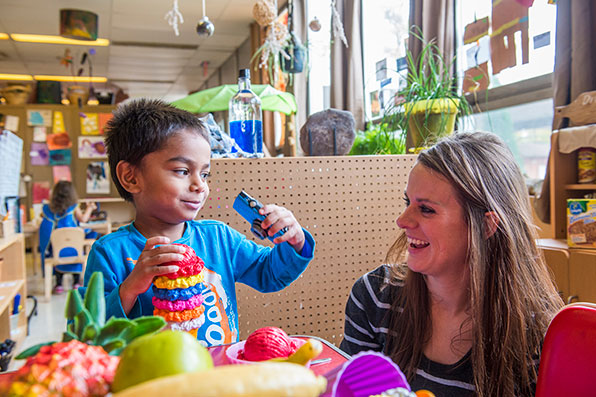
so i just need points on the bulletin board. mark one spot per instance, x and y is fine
(72, 126)
(11, 148)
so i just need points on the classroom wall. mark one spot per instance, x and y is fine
(78, 166)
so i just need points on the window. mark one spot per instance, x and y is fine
(384, 39)
(319, 79)
(518, 104)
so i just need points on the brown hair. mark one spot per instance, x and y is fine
(63, 196)
(512, 296)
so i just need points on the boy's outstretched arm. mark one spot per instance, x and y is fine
(279, 218)
(148, 266)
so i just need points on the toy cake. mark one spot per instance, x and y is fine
(177, 297)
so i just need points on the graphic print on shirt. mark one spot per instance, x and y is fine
(220, 326)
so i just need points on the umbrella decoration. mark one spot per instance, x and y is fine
(218, 98)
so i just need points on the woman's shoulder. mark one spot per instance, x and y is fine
(378, 285)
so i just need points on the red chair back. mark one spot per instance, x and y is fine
(568, 360)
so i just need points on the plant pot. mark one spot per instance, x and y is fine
(429, 120)
(297, 52)
(78, 95)
(16, 94)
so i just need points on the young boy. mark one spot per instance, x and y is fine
(160, 160)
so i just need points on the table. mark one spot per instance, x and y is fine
(31, 231)
(337, 356)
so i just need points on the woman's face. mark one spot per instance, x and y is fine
(434, 224)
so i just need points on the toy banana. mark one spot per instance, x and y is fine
(311, 349)
(266, 379)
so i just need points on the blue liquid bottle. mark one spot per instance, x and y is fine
(246, 126)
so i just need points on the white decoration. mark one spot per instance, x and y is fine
(174, 17)
(338, 27)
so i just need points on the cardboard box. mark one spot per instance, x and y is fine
(581, 223)
(6, 228)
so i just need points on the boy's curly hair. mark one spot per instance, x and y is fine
(143, 126)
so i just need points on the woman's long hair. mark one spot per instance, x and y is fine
(512, 296)
(63, 196)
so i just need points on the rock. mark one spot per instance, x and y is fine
(321, 127)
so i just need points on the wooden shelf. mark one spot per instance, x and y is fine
(8, 290)
(581, 186)
(7, 241)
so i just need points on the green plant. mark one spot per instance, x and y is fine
(430, 103)
(86, 322)
(379, 139)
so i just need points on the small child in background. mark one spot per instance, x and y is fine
(63, 211)
(160, 160)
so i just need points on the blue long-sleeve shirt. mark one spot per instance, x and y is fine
(229, 258)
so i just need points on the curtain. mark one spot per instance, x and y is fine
(435, 19)
(299, 86)
(347, 81)
(575, 63)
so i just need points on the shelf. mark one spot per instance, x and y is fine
(8, 290)
(102, 200)
(7, 241)
(581, 186)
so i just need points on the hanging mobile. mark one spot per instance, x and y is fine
(315, 25)
(205, 27)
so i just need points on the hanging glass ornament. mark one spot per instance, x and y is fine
(205, 27)
(315, 25)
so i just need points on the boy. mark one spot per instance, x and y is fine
(160, 160)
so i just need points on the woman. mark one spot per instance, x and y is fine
(468, 313)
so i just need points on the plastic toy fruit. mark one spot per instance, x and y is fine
(63, 369)
(267, 343)
(163, 354)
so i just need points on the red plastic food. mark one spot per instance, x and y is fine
(191, 265)
(267, 343)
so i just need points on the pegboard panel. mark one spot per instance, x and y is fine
(348, 203)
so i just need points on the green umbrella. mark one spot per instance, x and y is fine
(217, 98)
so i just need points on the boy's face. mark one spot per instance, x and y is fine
(172, 182)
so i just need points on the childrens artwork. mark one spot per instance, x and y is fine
(40, 134)
(475, 30)
(11, 123)
(92, 147)
(58, 124)
(478, 53)
(508, 17)
(39, 117)
(61, 173)
(89, 124)
(98, 178)
(476, 78)
(39, 154)
(60, 157)
(41, 191)
(375, 104)
(103, 120)
(59, 141)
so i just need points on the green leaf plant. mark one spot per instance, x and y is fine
(86, 322)
(430, 104)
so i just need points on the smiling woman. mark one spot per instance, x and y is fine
(452, 307)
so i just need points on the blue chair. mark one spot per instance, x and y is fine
(69, 254)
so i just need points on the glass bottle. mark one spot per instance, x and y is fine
(245, 116)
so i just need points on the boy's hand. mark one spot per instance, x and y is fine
(149, 266)
(278, 218)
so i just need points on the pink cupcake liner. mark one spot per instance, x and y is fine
(365, 374)
(188, 325)
(178, 305)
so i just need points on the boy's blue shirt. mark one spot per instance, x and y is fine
(229, 258)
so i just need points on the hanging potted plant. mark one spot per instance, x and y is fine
(428, 107)
(296, 52)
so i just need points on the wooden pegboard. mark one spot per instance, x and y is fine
(348, 203)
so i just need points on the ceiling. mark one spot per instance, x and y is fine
(145, 57)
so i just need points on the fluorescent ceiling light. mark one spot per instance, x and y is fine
(4, 76)
(38, 38)
(77, 79)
